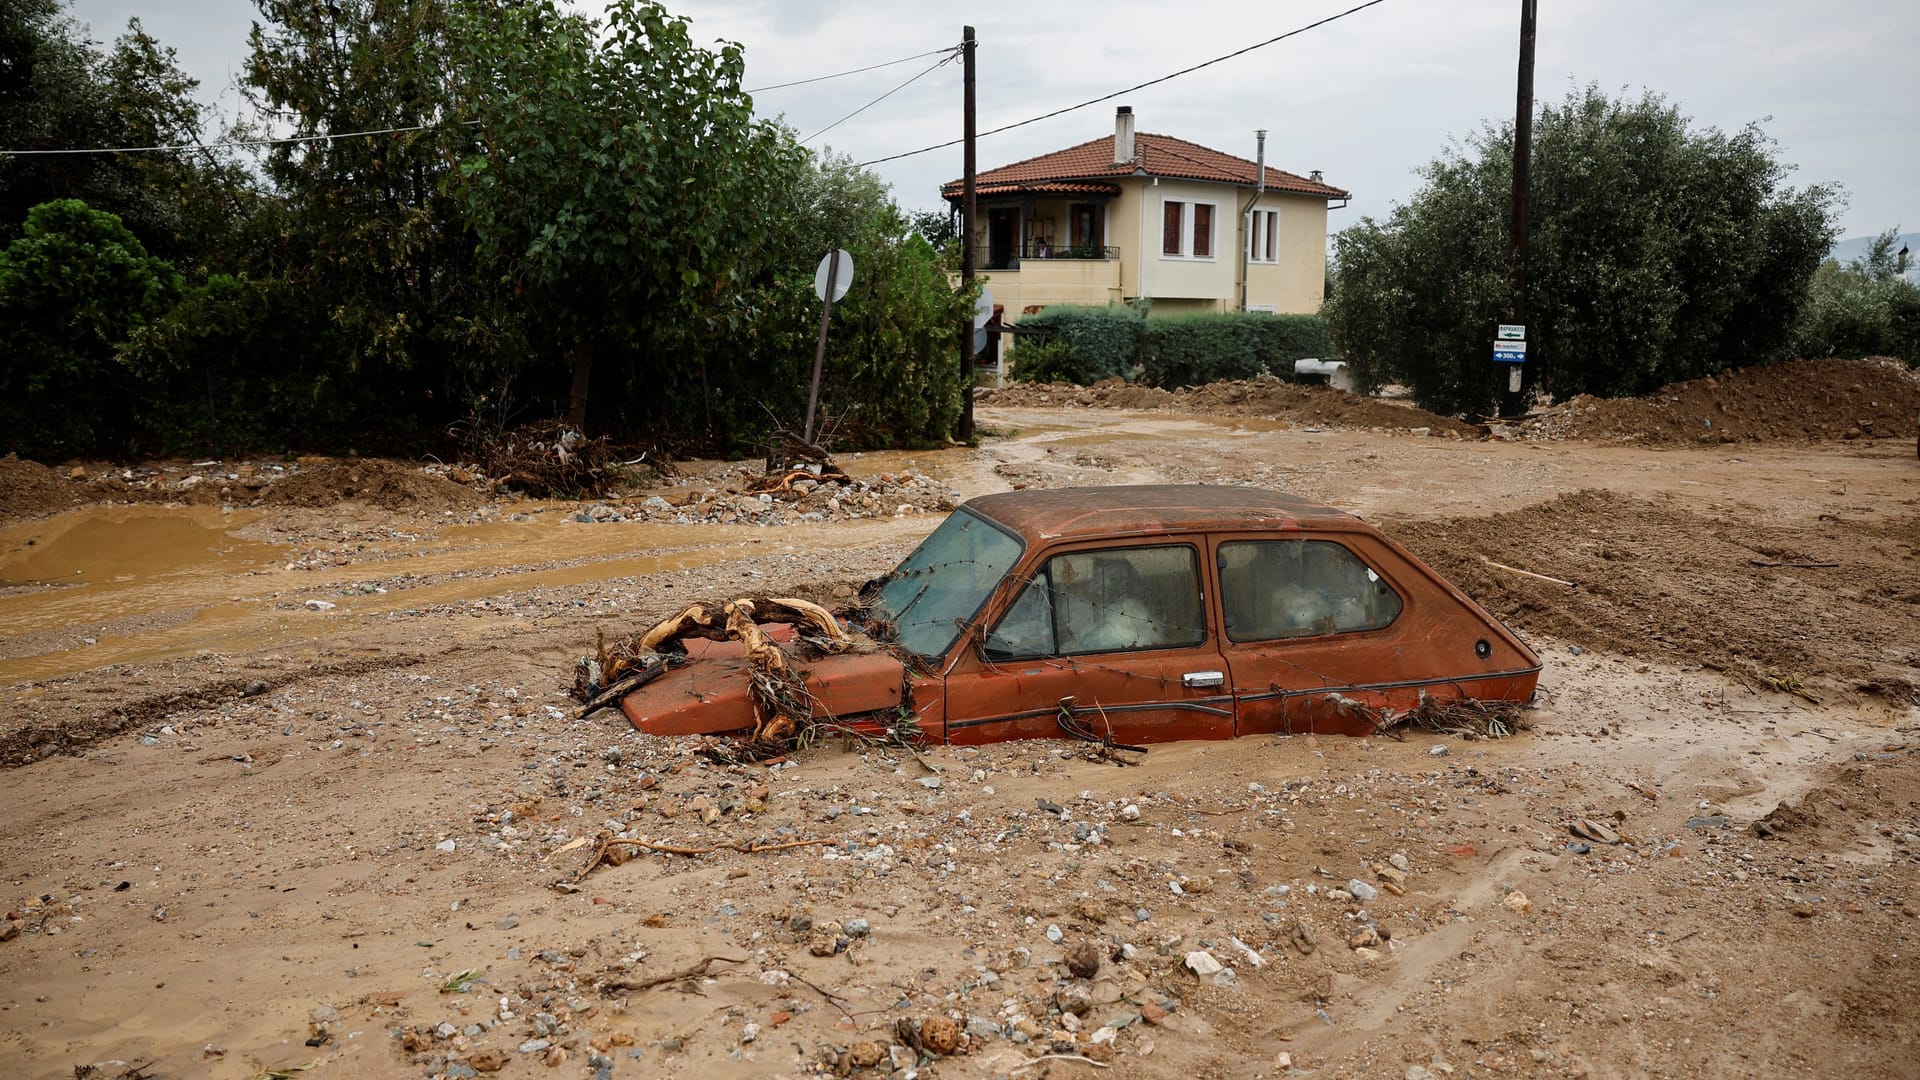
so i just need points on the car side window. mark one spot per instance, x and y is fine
(1112, 600)
(1300, 588)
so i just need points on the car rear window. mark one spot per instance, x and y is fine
(1300, 588)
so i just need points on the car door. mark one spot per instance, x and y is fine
(1313, 633)
(1101, 642)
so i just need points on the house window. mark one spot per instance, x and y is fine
(1186, 229)
(1263, 243)
(1172, 229)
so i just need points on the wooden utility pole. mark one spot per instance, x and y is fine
(969, 197)
(1513, 391)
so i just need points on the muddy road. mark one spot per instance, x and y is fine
(290, 786)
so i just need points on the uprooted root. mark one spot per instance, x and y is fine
(784, 710)
(1467, 718)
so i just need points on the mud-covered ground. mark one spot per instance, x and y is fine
(290, 785)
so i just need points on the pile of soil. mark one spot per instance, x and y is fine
(1836, 604)
(389, 485)
(30, 489)
(1306, 404)
(1805, 399)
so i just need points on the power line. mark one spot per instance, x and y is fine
(855, 71)
(947, 59)
(1131, 89)
(232, 142)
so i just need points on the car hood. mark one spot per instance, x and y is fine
(711, 693)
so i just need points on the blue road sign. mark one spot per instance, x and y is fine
(1509, 352)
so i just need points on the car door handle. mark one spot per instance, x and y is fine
(1203, 680)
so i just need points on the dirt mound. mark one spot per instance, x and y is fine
(390, 485)
(30, 489)
(1319, 406)
(1833, 603)
(1804, 399)
(745, 496)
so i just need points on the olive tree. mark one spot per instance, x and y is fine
(1658, 252)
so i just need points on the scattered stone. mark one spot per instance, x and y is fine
(857, 928)
(940, 1035)
(1202, 963)
(1517, 901)
(507, 923)
(1083, 960)
(1362, 891)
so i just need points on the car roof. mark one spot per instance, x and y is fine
(1146, 509)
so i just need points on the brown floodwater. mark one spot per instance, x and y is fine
(112, 585)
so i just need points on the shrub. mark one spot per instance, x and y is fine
(1105, 342)
(1189, 350)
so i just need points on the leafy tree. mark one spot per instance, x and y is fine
(619, 182)
(938, 227)
(366, 225)
(1657, 253)
(1869, 307)
(71, 289)
(58, 93)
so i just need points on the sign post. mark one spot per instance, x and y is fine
(831, 280)
(1510, 348)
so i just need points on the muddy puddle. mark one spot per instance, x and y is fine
(111, 585)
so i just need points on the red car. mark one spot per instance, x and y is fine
(1136, 615)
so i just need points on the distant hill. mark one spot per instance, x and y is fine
(1854, 247)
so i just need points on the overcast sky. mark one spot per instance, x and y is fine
(1366, 99)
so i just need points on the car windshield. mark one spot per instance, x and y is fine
(945, 581)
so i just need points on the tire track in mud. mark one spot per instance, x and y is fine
(45, 738)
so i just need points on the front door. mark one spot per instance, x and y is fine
(1103, 643)
(1003, 226)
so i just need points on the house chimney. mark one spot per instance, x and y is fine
(1123, 135)
(1314, 176)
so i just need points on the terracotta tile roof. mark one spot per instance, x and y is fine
(1154, 155)
(1041, 187)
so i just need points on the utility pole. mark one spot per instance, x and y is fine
(1513, 395)
(969, 198)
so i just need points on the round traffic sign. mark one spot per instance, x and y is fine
(842, 275)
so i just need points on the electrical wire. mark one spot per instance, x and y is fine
(224, 143)
(952, 54)
(1131, 89)
(855, 71)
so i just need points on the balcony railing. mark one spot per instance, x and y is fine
(1010, 259)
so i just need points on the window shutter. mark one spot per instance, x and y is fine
(1170, 230)
(1202, 230)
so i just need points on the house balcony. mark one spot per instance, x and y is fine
(1037, 275)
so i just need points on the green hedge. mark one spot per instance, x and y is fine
(1090, 344)
(1104, 342)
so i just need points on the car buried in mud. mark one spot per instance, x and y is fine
(1129, 615)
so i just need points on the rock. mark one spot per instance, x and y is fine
(857, 928)
(534, 1046)
(1226, 979)
(1075, 1001)
(1202, 963)
(1362, 891)
(490, 1060)
(1589, 829)
(940, 1035)
(931, 783)
(1440, 750)
(1083, 960)
(1517, 901)
(320, 605)
(1303, 938)
(1152, 1013)
(1129, 812)
(507, 923)
(1804, 911)
(1399, 862)
(865, 1055)
(1419, 1072)
(1055, 934)
(1364, 938)
(1707, 821)
(445, 845)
